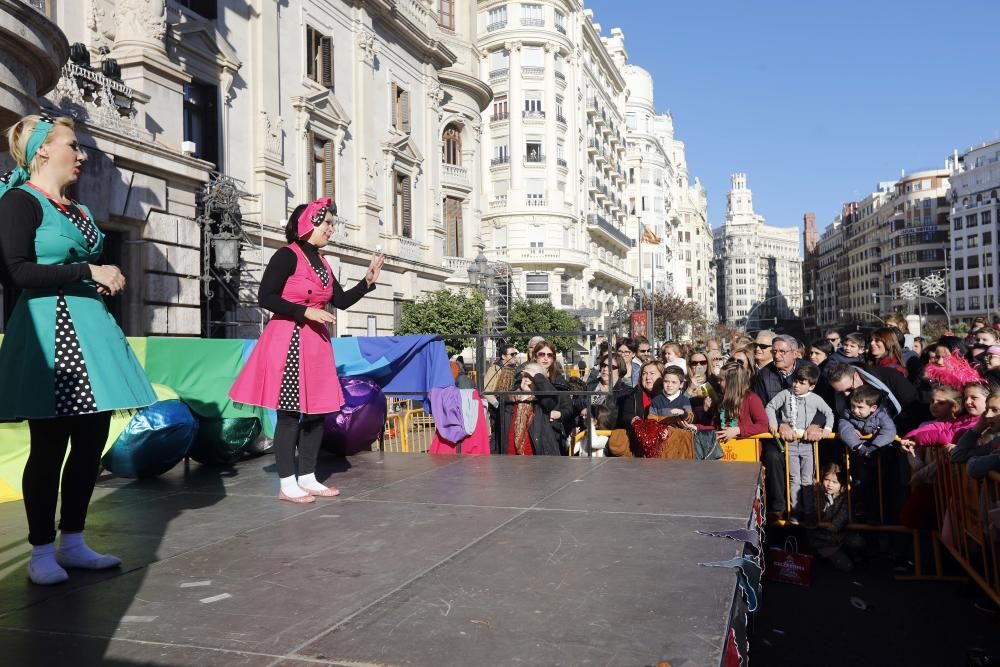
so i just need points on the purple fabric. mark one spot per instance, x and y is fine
(446, 406)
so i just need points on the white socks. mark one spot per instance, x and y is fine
(74, 552)
(291, 488)
(309, 483)
(43, 568)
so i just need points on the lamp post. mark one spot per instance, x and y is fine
(222, 236)
(481, 277)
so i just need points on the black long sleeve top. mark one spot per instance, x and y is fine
(20, 218)
(282, 266)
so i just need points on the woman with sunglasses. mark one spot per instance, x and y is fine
(65, 363)
(561, 419)
(701, 386)
(610, 383)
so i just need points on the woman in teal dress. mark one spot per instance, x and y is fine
(65, 365)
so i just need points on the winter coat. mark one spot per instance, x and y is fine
(542, 435)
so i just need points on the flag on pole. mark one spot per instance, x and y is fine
(649, 237)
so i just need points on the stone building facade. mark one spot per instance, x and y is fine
(974, 278)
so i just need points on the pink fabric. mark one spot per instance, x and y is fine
(310, 218)
(940, 433)
(259, 383)
(477, 444)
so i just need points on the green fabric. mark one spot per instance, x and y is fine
(201, 371)
(222, 441)
(27, 359)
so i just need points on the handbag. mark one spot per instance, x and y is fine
(788, 565)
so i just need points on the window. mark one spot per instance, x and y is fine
(960, 303)
(560, 116)
(959, 284)
(402, 219)
(533, 104)
(973, 262)
(973, 283)
(957, 222)
(532, 15)
(322, 169)
(987, 238)
(537, 284)
(973, 303)
(987, 259)
(500, 108)
(452, 148)
(959, 263)
(535, 188)
(453, 226)
(496, 18)
(446, 14)
(560, 21)
(533, 151)
(533, 57)
(400, 108)
(986, 217)
(501, 155)
(319, 57)
(972, 242)
(204, 8)
(959, 243)
(971, 220)
(201, 120)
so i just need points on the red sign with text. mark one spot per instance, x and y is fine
(640, 324)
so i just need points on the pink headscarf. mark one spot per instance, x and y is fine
(313, 216)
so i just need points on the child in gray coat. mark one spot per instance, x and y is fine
(789, 414)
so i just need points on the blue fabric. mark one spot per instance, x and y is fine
(154, 440)
(19, 175)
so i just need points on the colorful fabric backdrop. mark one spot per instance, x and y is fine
(200, 372)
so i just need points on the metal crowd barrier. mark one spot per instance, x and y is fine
(964, 507)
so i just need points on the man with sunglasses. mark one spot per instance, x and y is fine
(833, 337)
(642, 349)
(762, 348)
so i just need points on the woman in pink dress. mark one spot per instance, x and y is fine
(292, 369)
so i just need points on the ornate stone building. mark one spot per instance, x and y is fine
(376, 104)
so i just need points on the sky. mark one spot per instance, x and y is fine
(816, 101)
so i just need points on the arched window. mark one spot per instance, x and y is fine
(452, 145)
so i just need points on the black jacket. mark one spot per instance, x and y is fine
(618, 392)
(630, 406)
(543, 437)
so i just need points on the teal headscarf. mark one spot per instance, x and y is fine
(19, 175)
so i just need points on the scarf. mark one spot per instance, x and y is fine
(523, 412)
(19, 175)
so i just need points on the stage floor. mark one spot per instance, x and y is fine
(421, 561)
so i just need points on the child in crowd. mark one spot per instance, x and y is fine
(673, 402)
(600, 421)
(788, 415)
(853, 349)
(865, 417)
(979, 448)
(832, 540)
(950, 425)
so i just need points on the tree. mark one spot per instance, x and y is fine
(456, 315)
(681, 314)
(530, 318)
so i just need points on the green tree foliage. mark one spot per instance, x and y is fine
(447, 313)
(529, 318)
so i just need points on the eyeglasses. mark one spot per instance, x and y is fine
(625, 351)
(761, 346)
(544, 354)
(779, 350)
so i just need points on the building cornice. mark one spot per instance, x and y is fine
(476, 88)
(420, 32)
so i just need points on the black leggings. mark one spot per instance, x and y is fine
(301, 431)
(40, 482)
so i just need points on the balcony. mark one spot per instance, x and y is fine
(533, 23)
(561, 119)
(535, 201)
(557, 256)
(567, 300)
(613, 274)
(534, 158)
(499, 74)
(407, 249)
(496, 25)
(456, 176)
(593, 146)
(500, 117)
(560, 76)
(500, 162)
(499, 202)
(594, 184)
(592, 106)
(533, 115)
(601, 227)
(532, 72)
(561, 162)
(459, 267)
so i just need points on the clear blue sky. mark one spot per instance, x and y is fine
(815, 101)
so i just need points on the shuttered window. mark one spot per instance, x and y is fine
(446, 14)
(319, 57)
(402, 216)
(453, 225)
(322, 168)
(401, 108)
